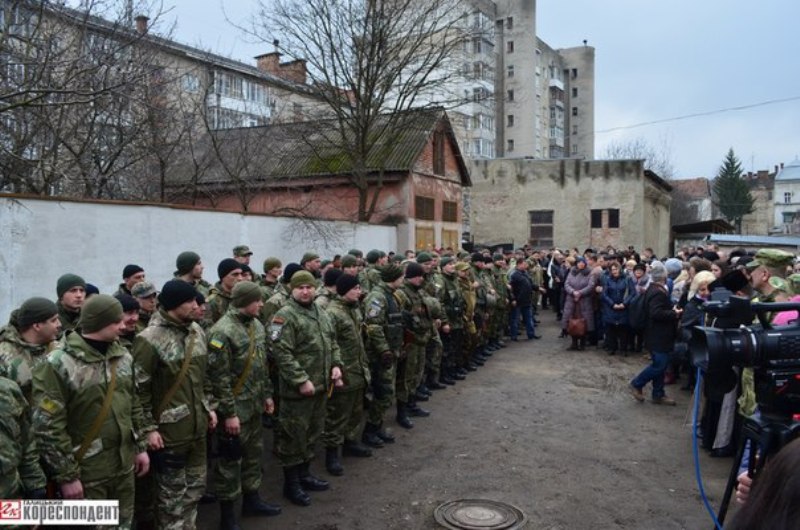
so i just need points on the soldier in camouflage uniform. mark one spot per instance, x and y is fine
(350, 265)
(345, 410)
(130, 318)
(467, 285)
(269, 280)
(384, 328)
(25, 340)
(305, 349)
(71, 290)
(131, 275)
(230, 273)
(237, 352)
(174, 389)
(189, 268)
(434, 348)
(452, 332)
(418, 330)
(327, 292)
(22, 477)
(370, 276)
(91, 460)
(281, 295)
(145, 293)
(500, 316)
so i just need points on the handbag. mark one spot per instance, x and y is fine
(576, 325)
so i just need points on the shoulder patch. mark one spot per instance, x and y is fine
(275, 329)
(216, 344)
(374, 308)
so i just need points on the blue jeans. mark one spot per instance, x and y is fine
(654, 373)
(527, 315)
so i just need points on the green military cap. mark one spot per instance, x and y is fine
(271, 263)
(498, 257)
(308, 256)
(794, 283)
(462, 266)
(349, 260)
(424, 257)
(355, 252)
(373, 256)
(301, 278)
(324, 263)
(463, 255)
(390, 272)
(242, 250)
(143, 290)
(244, 294)
(99, 311)
(772, 258)
(445, 260)
(779, 284)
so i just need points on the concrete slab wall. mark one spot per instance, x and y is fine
(42, 239)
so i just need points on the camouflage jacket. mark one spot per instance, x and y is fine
(323, 297)
(159, 352)
(369, 278)
(383, 320)
(202, 286)
(218, 302)
(501, 286)
(453, 301)
(19, 458)
(470, 298)
(305, 348)
(144, 321)
(231, 341)
(268, 288)
(275, 302)
(417, 320)
(348, 323)
(69, 320)
(18, 358)
(68, 393)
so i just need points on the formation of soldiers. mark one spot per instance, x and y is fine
(127, 396)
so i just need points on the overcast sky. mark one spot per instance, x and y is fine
(655, 60)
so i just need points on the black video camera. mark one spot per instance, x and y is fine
(772, 352)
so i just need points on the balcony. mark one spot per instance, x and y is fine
(556, 83)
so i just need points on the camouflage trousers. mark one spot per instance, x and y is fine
(433, 357)
(383, 389)
(300, 425)
(409, 371)
(345, 416)
(178, 490)
(231, 477)
(119, 487)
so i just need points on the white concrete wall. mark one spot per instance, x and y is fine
(42, 239)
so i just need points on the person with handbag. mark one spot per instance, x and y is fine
(578, 310)
(87, 417)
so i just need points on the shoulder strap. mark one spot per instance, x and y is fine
(187, 360)
(97, 424)
(248, 365)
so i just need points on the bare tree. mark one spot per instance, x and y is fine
(369, 60)
(657, 158)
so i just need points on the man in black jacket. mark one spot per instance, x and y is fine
(659, 337)
(522, 288)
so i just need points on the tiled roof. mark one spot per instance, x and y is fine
(694, 189)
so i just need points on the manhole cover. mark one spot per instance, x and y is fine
(479, 514)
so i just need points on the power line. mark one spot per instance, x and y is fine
(698, 114)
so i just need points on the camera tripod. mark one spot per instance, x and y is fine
(766, 436)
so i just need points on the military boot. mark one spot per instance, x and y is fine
(370, 436)
(292, 489)
(309, 481)
(415, 410)
(402, 416)
(227, 520)
(357, 449)
(332, 462)
(253, 505)
(385, 435)
(433, 384)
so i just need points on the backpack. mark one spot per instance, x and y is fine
(637, 313)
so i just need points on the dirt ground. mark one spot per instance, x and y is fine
(552, 432)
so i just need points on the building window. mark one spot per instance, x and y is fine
(574, 129)
(574, 111)
(510, 23)
(613, 218)
(787, 197)
(510, 95)
(541, 235)
(510, 119)
(438, 153)
(450, 238)
(510, 70)
(424, 208)
(574, 92)
(597, 218)
(510, 46)
(574, 149)
(476, 45)
(574, 73)
(510, 145)
(191, 83)
(450, 211)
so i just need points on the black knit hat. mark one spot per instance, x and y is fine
(128, 302)
(186, 262)
(477, 257)
(35, 310)
(246, 269)
(734, 281)
(331, 275)
(130, 270)
(414, 270)
(227, 266)
(289, 270)
(345, 283)
(175, 293)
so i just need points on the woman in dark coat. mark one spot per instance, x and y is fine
(578, 299)
(618, 292)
